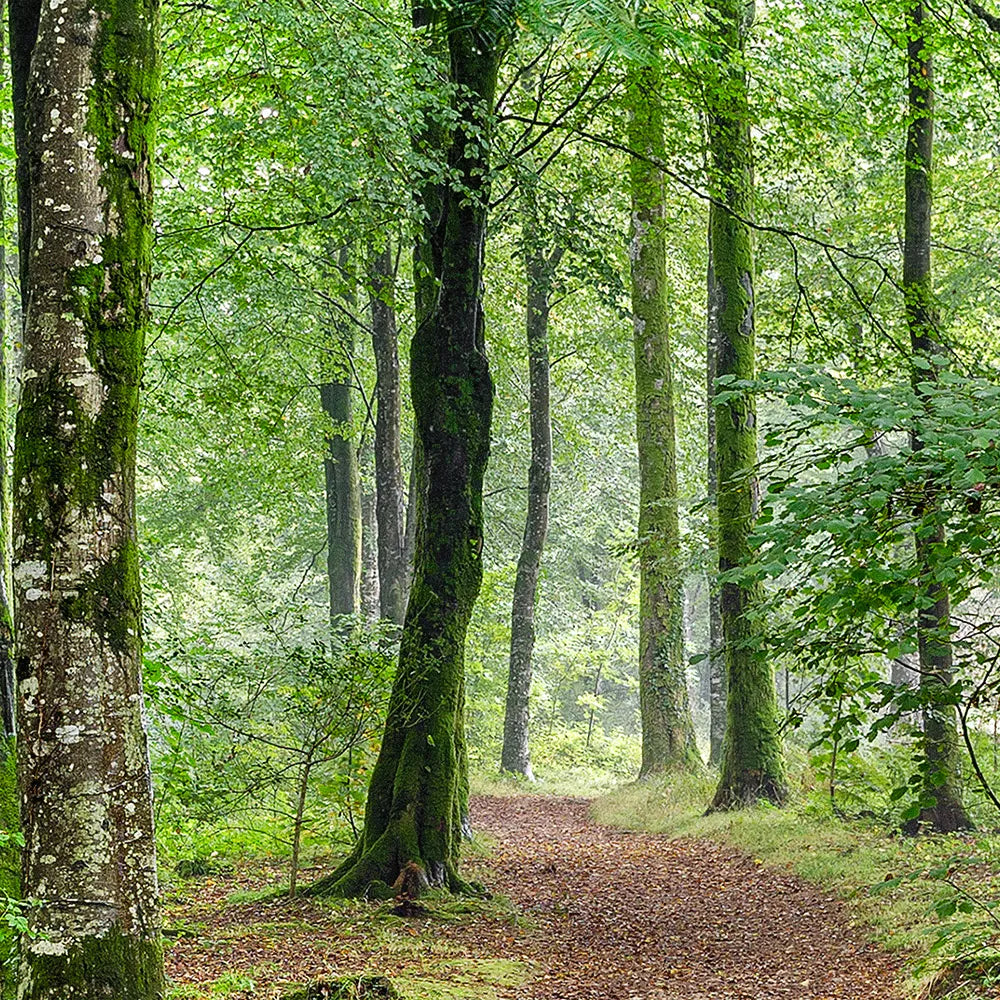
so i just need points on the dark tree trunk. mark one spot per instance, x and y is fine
(539, 270)
(417, 799)
(340, 466)
(940, 739)
(390, 495)
(716, 652)
(752, 762)
(343, 503)
(667, 730)
(85, 87)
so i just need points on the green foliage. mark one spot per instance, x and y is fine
(241, 724)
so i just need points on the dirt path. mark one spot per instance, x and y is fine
(621, 916)
(610, 915)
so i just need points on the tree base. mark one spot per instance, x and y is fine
(377, 874)
(749, 790)
(945, 817)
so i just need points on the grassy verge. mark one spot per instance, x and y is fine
(930, 897)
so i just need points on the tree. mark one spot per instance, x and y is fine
(540, 267)
(417, 799)
(716, 657)
(85, 83)
(752, 766)
(940, 738)
(340, 464)
(667, 729)
(390, 496)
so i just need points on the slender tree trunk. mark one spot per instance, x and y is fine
(716, 652)
(940, 739)
(539, 268)
(752, 762)
(343, 480)
(667, 730)
(299, 822)
(85, 86)
(371, 604)
(393, 569)
(417, 800)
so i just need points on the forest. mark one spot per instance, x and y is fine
(499, 499)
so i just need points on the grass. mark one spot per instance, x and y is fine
(944, 953)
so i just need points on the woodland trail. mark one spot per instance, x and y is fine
(626, 916)
(607, 915)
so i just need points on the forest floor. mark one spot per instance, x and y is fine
(583, 912)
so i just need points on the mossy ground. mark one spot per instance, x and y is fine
(236, 936)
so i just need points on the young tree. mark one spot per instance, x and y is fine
(540, 267)
(85, 77)
(752, 765)
(418, 794)
(940, 738)
(667, 729)
(340, 464)
(390, 495)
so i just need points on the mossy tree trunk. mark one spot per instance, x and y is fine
(667, 729)
(85, 79)
(752, 759)
(716, 654)
(940, 738)
(540, 266)
(417, 799)
(340, 466)
(390, 495)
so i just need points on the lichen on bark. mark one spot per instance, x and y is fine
(84, 100)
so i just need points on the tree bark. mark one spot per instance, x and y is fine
(752, 761)
(390, 495)
(85, 86)
(417, 800)
(667, 729)
(515, 755)
(371, 598)
(343, 480)
(716, 651)
(940, 737)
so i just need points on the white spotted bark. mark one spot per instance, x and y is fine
(84, 81)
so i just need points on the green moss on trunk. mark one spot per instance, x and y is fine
(89, 861)
(418, 792)
(667, 729)
(752, 762)
(112, 967)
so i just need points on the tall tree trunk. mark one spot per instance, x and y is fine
(85, 85)
(940, 740)
(539, 268)
(390, 495)
(752, 761)
(343, 480)
(716, 651)
(667, 730)
(417, 799)
(371, 603)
